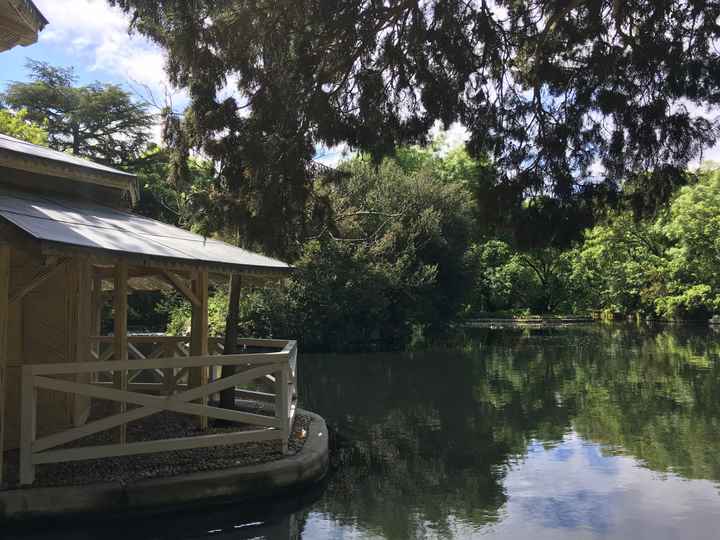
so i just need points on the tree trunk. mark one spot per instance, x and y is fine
(227, 397)
(76, 139)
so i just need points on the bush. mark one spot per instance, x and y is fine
(391, 261)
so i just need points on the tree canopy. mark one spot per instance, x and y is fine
(548, 89)
(97, 121)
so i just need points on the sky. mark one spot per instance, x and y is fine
(93, 37)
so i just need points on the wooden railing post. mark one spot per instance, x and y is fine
(282, 403)
(28, 422)
(120, 343)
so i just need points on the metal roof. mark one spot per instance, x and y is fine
(82, 224)
(35, 150)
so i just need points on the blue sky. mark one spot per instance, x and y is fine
(94, 38)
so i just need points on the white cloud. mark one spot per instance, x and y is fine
(97, 35)
(332, 156)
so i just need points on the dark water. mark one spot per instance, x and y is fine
(572, 433)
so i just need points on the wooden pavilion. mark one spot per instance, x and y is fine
(66, 236)
(20, 23)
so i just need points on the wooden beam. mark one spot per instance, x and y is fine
(4, 316)
(108, 272)
(120, 343)
(245, 359)
(38, 280)
(186, 291)
(107, 257)
(199, 335)
(163, 445)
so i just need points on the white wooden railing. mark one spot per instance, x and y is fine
(167, 376)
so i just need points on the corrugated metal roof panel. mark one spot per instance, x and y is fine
(34, 150)
(88, 225)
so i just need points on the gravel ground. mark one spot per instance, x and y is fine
(163, 425)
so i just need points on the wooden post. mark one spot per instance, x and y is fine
(4, 306)
(120, 343)
(96, 305)
(282, 403)
(227, 397)
(199, 334)
(96, 310)
(82, 320)
(28, 425)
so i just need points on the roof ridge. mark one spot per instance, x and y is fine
(63, 157)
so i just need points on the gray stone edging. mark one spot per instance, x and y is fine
(309, 465)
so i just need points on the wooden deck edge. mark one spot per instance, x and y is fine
(306, 467)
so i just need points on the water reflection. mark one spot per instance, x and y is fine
(481, 439)
(599, 431)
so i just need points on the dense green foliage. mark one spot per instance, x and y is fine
(16, 124)
(389, 259)
(547, 91)
(531, 282)
(391, 248)
(168, 202)
(665, 266)
(402, 253)
(661, 266)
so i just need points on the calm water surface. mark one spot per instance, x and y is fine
(598, 431)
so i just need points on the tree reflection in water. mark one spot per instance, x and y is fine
(425, 439)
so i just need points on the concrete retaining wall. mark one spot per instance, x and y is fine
(306, 467)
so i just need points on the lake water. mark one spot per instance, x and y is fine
(585, 432)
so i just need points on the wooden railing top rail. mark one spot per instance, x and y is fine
(145, 338)
(157, 363)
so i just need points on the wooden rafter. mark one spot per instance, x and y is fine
(182, 288)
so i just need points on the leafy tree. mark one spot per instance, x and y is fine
(536, 282)
(546, 88)
(665, 265)
(501, 282)
(693, 266)
(97, 121)
(160, 199)
(418, 218)
(17, 125)
(620, 264)
(388, 258)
